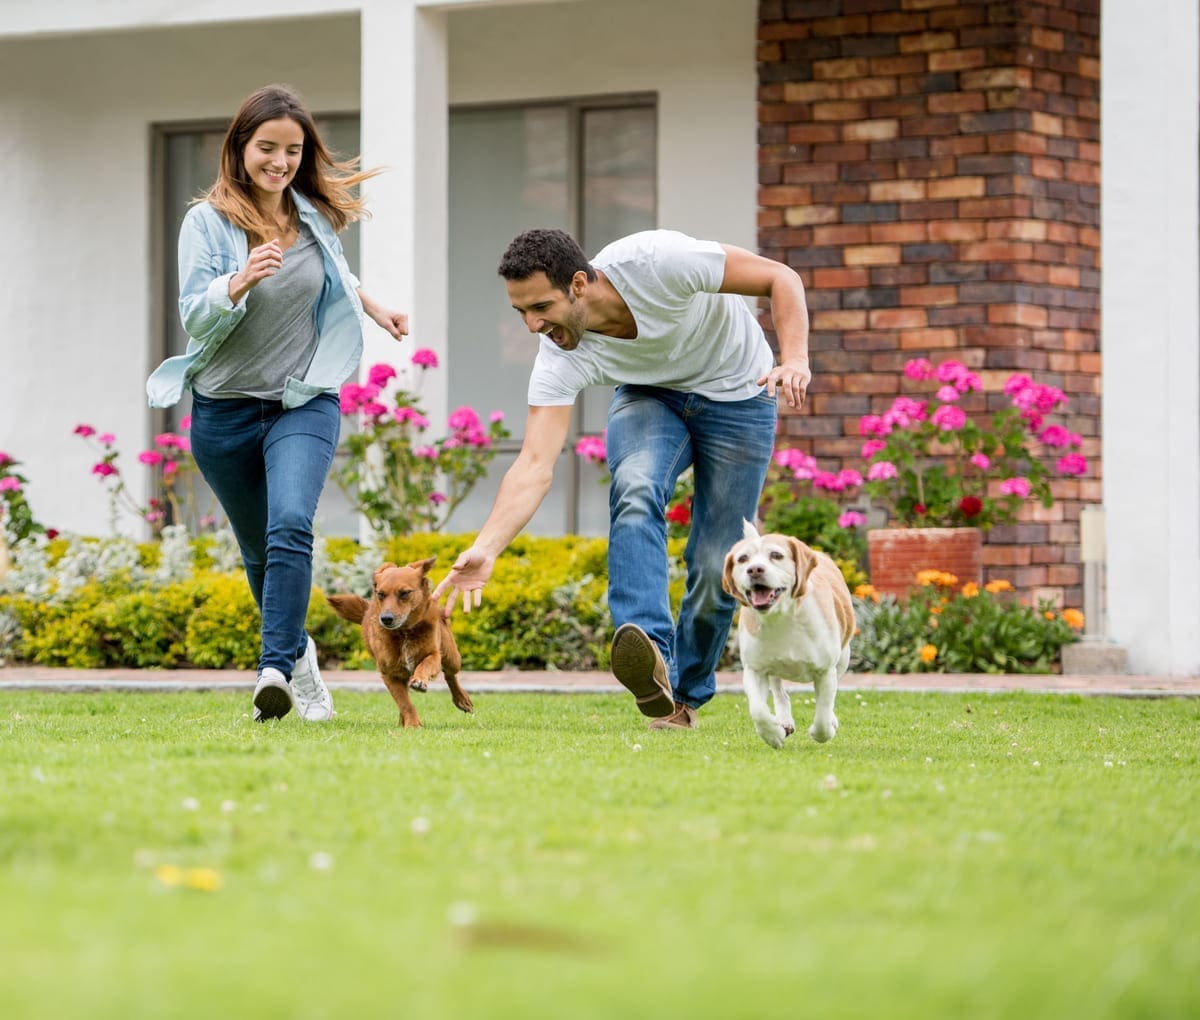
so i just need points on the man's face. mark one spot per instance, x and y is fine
(560, 315)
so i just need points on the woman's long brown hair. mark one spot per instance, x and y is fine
(327, 182)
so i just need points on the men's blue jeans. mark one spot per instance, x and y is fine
(653, 435)
(267, 466)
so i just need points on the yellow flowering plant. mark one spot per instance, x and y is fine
(948, 628)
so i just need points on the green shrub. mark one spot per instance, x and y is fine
(941, 629)
(814, 521)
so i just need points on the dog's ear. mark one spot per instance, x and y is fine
(423, 566)
(727, 578)
(805, 561)
(379, 571)
(748, 529)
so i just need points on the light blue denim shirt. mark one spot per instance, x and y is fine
(211, 250)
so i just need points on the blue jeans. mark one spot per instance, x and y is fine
(267, 466)
(654, 434)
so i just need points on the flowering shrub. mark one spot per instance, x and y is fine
(16, 516)
(395, 476)
(174, 475)
(944, 628)
(817, 520)
(678, 510)
(932, 465)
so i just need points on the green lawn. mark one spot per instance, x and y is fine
(947, 856)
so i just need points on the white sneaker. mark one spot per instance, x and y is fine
(273, 697)
(312, 696)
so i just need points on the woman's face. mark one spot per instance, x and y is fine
(272, 157)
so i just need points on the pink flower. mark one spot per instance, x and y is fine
(84, 430)
(380, 375)
(437, 498)
(6, 459)
(1055, 435)
(1073, 464)
(167, 440)
(947, 394)
(957, 375)
(104, 469)
(154, 516)
(591, 448)
(10, 484)
(873, 425)
(903, 413)
(425, 358)
(981, 461)
(1015, 487)
(463, 419)
(349, 397)
(872, 447)
(949, 417)
(170, 467)
(373, 409)
(107, 439)
(428, 452)
(151, 457)
(799, 463)
(918, 369)
(495, 417)
(851, 519)
(881, 470)
(185, 423)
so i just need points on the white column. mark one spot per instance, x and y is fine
(1151, 330)
(404, 244)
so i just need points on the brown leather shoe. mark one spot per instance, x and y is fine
(638, 665)
(683, 718)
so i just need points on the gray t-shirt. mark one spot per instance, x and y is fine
(689, 337)
(277, 336)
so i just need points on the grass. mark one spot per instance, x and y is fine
(946, 856)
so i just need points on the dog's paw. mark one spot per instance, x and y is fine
(789, 728)
(771, 732)
(417, 685)
(823, 729)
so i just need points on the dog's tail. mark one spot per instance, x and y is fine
(348, 607)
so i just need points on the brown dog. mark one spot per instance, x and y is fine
(406, 634)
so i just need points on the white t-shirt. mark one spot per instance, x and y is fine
(689, 337)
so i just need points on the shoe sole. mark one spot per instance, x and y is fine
(272, 703)
(633, 663)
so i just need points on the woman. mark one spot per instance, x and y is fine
(274, 317)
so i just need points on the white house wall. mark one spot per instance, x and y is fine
(75, 150)
(77, 108)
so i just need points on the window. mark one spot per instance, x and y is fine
(587, 167)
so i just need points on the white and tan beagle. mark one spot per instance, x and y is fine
(796, 624)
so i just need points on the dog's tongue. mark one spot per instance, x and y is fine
(760, 597)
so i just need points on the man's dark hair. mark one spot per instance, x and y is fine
(553, 252)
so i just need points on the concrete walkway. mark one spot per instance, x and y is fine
(514, 681)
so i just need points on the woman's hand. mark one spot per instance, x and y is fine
(264, 261)
(396, 323)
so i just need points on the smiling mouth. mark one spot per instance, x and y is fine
(763, 598)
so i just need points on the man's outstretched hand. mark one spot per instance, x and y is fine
(467, 577)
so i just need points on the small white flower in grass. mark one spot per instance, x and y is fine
(487, 754)
(461, 914)
(420, 825)
(829, 783)
(190, 804)
(928, 761)
(1108, 764)
(321, 861)
(637, 747)
(1037, 764)
(228, 807)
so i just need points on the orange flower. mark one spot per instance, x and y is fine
(867, 591)
(928, 653)
(1048, 614)
(937, 577)
(998, 586)
(1073, 618)
(970, 590)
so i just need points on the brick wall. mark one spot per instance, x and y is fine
(932, 170)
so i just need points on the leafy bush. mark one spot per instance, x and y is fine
(815, 521)
(943, 629)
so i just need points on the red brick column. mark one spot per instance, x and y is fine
(932, 169)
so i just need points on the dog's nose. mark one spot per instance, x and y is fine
(754, 570)
(387, 619)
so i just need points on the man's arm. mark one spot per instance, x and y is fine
(753, 275)
(521, 492)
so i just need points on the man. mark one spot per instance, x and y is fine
(658, 315)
